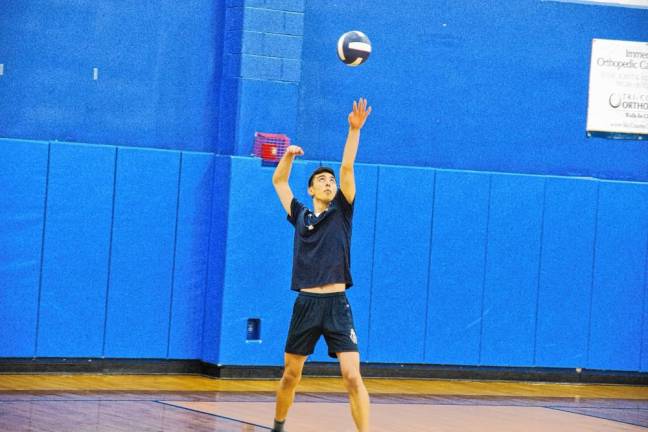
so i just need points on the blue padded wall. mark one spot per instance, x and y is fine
(512, 263)
(566, 272)
(457, 267)
(142, 252)
(259, 259)
(124, 237)
(23, 178)
(213, 303)
(122, 252)
(76, 244)
(400, 270)
(191, 255)
(619, 288)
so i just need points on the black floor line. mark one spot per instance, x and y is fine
(90, 400)
(594, 407)
(598, 417)
(213, 415)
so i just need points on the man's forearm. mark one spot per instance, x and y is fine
(282, 172)
(351, 148)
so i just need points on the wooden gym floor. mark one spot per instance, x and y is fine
(164, 403)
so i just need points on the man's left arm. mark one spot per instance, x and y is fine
(357, 119)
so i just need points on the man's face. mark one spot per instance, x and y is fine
(323, 187)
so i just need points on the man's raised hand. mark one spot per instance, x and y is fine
(294, 150)
(359, 115)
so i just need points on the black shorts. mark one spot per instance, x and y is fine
(321, 314)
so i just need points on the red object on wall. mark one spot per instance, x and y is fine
(270, 147)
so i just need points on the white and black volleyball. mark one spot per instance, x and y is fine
(353, 48)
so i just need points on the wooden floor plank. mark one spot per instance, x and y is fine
(110, 416)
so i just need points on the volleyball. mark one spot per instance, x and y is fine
(353, 48)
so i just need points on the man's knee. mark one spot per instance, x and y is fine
(352, 381)
(291, 377)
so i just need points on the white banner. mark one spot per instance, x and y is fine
(618, 89)
(621, 3)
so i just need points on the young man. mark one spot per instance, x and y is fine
(321, 273)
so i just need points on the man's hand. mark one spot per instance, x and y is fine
(294, 150)
(359, 115)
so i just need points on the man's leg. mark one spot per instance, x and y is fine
(293, 366)
(358, 395)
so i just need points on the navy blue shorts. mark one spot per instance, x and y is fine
(315, 315)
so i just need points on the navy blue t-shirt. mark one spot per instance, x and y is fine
(322, 245)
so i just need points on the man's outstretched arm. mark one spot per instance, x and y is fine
(282, 174)
(357, 119)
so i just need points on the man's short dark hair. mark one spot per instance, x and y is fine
(320, 170)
